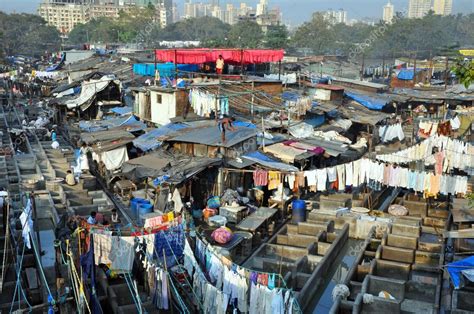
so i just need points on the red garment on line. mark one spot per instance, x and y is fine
(203, 55)
(260, 177)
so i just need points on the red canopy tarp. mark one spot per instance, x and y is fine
(203, 55)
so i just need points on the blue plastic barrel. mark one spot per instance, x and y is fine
(145, 209)
(298, 208)
(135, 203)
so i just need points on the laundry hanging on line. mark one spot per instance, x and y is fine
(457, 154)
(229, 286)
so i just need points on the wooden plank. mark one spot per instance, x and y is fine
(460, 234)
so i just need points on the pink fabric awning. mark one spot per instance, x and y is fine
(203, 55)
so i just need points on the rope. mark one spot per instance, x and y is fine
(5, 250)
(41, 267)
(280, 277)
(136, 299)
(18, 284)
(180, 300)
(187, 281)
(78, 279)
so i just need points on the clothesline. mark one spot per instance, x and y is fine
(452, 153)
(368, 171)
(219, 273)
(213, 251)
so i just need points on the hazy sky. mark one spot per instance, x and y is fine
(294, 11)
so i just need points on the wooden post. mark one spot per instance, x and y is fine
(446, 73)
(154, 59)
(168, 292)
(176, 67)
(383, 66)
(279, 70)
(414, 70)
(253, 99)
(217, 101)
(241, 62)
(263, 134)
(362, 67)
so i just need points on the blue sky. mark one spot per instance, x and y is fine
(294, 11)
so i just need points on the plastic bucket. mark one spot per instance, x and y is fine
(298, 208)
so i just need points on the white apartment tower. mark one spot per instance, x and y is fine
(388, 12)
(418, 8)
(262, 7)
(336, 17)
(443, 7)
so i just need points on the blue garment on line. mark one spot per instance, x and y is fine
(171, 242)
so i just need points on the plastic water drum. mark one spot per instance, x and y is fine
(135, 203)
(145, 209)
(298, 211)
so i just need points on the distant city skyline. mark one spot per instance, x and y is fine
(294, 11)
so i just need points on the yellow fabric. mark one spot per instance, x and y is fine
(466, 121)
(274, 179)
(170, 216)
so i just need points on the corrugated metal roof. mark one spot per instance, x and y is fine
(211, 136)
(355, 112)
(105, 136)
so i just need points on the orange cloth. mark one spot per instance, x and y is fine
(435, 182)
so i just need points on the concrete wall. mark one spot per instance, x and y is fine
(162, 112)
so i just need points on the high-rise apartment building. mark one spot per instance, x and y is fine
(443, 7)
(66, 14)
(262, 7)
(388, 12)
(418, 8)
(336, 17)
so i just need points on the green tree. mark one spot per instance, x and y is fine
(27, 34)
(276, 37)
(464, 70)
(246, 34)
(315, 34)
(205, 29)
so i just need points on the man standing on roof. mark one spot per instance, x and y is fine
(220, 65)
(225, 123)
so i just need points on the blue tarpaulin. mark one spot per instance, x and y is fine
(121, 110)
(373, 103)
(268, 162)
(244, 124)
(455, 270)
(165, 69)
(103, 125)
(407, 74)
(290, 96)
(57, 66)
(315, 120)
(151, 140)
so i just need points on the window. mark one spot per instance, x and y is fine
(158, 98)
